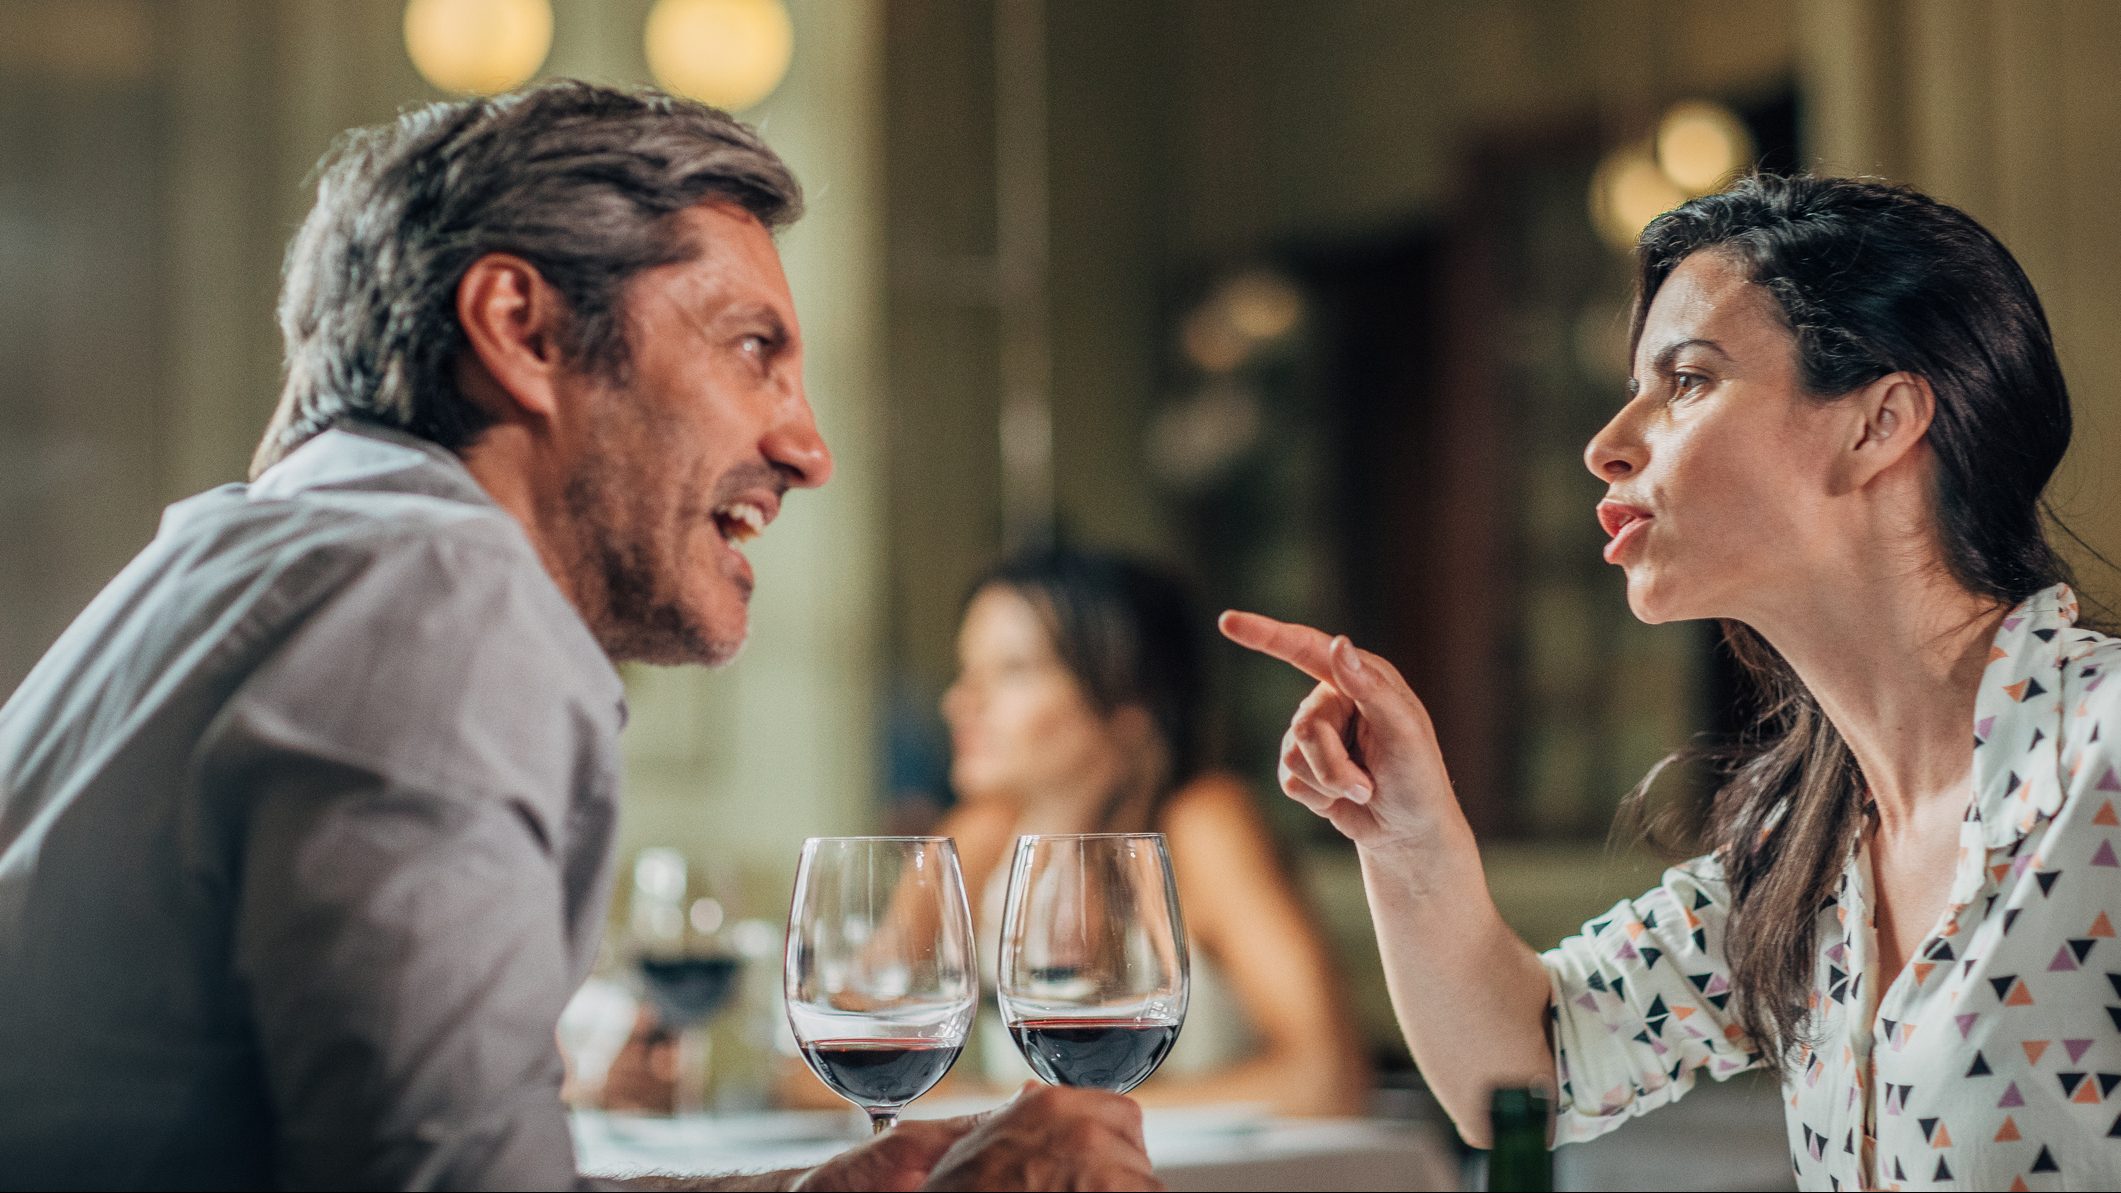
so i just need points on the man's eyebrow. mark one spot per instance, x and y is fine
(742, 313)
(756, 313)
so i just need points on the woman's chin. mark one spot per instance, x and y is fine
(1648, 600)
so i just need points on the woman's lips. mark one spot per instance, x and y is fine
(1624, 522)
(1628, 534)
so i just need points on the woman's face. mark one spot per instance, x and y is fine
(1720, 470)
(1021, 726)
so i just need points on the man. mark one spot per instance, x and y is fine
(305, 824)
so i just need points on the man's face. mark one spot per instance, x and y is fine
(689, 457)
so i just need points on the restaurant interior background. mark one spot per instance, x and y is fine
(1317, 300)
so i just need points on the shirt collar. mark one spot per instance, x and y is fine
(372, 458)
(2018, 718)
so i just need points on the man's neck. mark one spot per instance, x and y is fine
(507, 462)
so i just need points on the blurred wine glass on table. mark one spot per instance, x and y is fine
(1093, 980)
(879, 972)
(677, 921)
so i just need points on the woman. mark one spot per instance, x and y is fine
(1077, 708)
(1845, 405)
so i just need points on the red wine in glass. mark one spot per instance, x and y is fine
(879, 974)
(1093, 974)
(881, 1073)
(686, 991)
(1113, 1054)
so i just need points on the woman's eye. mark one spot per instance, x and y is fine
(1686, 383)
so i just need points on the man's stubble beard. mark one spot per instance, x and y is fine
(628, 580)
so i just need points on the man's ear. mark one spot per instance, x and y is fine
(510, 315)
(1892, 415)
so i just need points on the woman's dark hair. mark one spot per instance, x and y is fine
(583, 181)
(1871, 279)
(1129, 634)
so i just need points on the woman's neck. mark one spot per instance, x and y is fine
(1101, 809)
(1895, 663)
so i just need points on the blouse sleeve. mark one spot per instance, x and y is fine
(1640, 1003)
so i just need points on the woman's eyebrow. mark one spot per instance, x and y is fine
(1670, 353)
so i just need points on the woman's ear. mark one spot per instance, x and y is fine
(1893, 415)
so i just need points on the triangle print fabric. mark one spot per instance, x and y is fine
(1993, 1060)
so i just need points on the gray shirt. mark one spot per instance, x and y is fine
(305, 833)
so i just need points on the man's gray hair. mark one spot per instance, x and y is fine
(584, 182)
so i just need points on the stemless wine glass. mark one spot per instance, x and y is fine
(1093, 967)
(880, 975)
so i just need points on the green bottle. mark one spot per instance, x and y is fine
(1519, 1160)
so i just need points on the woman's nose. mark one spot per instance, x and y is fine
(1617, 450)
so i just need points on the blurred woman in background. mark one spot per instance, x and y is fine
(1079, 707)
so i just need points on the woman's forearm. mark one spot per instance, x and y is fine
(1471, 996)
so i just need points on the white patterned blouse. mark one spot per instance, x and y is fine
(1993, 1060)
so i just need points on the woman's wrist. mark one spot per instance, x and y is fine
(1419, 878)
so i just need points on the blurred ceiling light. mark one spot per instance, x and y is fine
(1211, 343)
(1699, 144)
(1261, 305)
(1196, 441)
(1629, 191)
(478, 47)
(729, 53)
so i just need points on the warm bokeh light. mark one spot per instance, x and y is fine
(478, 47)
(1699, 144)
(729, 53)
(1629, 191)
(1261, 305)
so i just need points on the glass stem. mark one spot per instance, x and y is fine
(693, 1049)
(881, 1121)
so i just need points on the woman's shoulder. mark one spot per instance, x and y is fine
(1214, 822)
(1209, 800)
(2091, 693)
(982, 829)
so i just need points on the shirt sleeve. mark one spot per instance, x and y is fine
(401, 920)
(1640, 1003)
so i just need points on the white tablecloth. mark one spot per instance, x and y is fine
(1193, 1149)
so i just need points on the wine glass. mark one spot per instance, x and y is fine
(1093, 967)
(689, 973)
(880, 976)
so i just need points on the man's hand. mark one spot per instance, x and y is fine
(899, 1159)
(1044, 1138)
(1050, 1137)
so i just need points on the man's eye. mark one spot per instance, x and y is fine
(753, 345)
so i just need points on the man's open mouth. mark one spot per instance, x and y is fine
(741, 521)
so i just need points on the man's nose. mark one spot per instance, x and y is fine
(796, 448)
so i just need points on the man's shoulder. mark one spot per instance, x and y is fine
(430, 645)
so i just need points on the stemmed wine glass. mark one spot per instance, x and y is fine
(1093, 966)
(880, 976)
(688, 970)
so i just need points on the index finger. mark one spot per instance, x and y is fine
(1309, 651)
